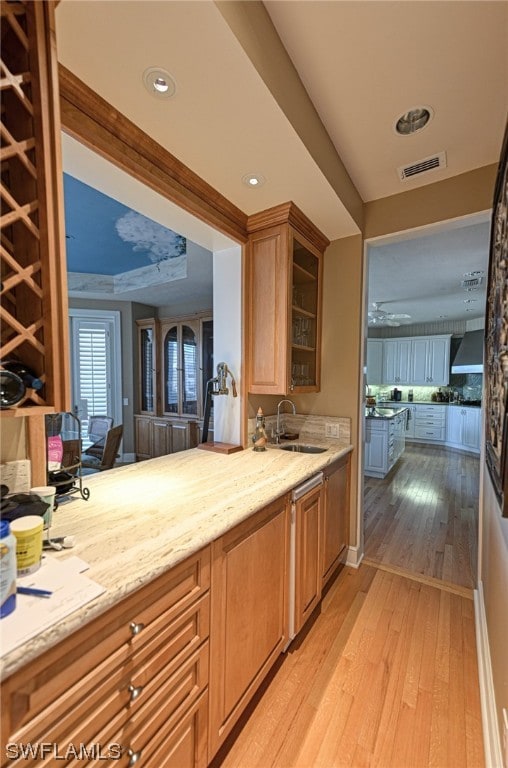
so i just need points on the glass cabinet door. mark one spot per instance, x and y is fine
(171, 371)
(304, 314)
(189, 371)
(147, 369)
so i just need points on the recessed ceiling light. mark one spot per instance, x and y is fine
(469, 301)
(253, 180)
(159, 83)
(413, 120)
(475, 273)
(441, 317)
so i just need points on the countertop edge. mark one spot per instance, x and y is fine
(14, 660)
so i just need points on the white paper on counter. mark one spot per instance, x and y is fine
(33, 615)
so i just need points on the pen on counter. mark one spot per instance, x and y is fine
(33, 591)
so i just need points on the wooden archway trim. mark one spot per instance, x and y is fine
(90, 119)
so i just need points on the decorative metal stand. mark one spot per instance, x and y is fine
(71, 461)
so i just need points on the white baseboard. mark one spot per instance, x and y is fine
(491, 740)
(354, 557)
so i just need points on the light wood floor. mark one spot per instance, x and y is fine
(423, 517)
(385, 673)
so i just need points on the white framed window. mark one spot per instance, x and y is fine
(96, 365)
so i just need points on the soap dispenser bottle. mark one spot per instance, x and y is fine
(259, 437)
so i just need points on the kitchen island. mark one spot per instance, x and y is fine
(385, 442)
(194, 552)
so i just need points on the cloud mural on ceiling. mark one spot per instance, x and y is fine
(159, 243)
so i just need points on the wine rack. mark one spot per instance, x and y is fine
(33, 310)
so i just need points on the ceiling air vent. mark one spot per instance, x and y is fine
(432, 163)
(471, 282)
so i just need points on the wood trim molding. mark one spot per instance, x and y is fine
(94, 122)
(288, 213)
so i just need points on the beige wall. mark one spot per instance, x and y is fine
(459, 196)
(13, 444)
(494, 577)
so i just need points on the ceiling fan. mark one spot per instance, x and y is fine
(378, 316)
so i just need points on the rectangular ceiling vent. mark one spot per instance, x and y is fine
(472, 282)
(432, 163)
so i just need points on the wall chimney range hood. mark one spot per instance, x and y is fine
(469, 357)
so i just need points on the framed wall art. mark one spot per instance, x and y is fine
(496, 339)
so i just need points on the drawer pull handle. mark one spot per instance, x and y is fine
(135, 628)
(133, 757)
(135, 691)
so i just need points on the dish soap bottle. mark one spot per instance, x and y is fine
(259, 437)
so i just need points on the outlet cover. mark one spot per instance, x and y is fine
(331, 430)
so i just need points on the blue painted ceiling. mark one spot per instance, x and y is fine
(105, 237)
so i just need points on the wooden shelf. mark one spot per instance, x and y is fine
(302, 275)
(28, 410)
(303, 312)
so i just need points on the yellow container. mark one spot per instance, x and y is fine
(28, 533)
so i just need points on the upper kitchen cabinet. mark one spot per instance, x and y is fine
(284, 268)
(33, 312)
(431, 361)
(397, 361)
(417, 360)
(374, 366)
(148, 342)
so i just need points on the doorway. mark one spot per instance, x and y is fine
(422, 517)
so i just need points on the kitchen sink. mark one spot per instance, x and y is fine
(303, 448)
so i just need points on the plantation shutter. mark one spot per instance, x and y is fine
(92, 369)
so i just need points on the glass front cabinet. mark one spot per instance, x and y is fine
(284, 276)
(175, 361)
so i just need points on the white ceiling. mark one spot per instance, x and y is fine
(362, 63)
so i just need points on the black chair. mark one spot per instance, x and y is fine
(98, 427)
(109, 454)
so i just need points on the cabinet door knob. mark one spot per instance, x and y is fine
(133, 757)
(135, 691)
(135, 628)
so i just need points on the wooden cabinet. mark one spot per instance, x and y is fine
(34, 307)
(374, 362)
(463, 427)
(308, 522)
(397, 361)
(335, 525)
(284, 269)
(175, 361)
(249, 624)
(135, 677)
(143, 437)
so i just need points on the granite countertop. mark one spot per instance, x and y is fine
(379, 412)
(464, 404)
(144, 518)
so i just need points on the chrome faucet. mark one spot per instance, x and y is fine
(278, 431)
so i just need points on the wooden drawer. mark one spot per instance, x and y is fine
(138, 735)
(96, 657)
(119, 685)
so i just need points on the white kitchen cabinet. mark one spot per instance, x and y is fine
(430, 423)
(396, 361)
(418, 360)
(430, 361)
(385, 442)
(374, 368)
(463, 428)
(410, 422)
(376, 447)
